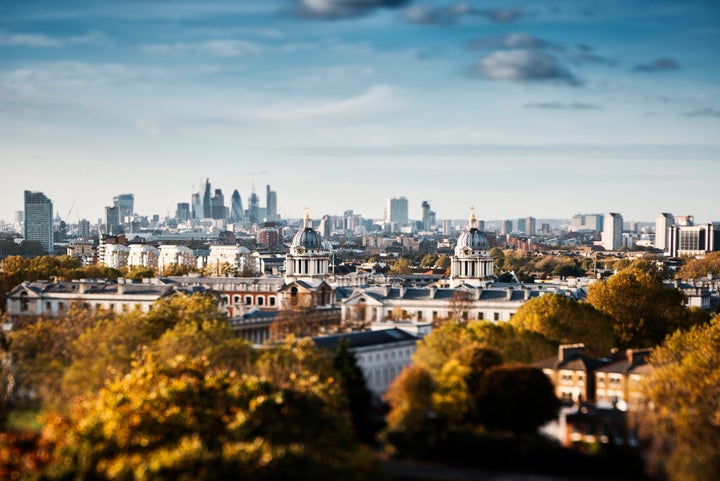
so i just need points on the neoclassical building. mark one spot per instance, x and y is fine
(471, 263)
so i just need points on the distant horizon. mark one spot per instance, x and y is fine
(546, 108)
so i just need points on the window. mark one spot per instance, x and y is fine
(496, 316)
(272, 300)
(48, 306)
(248, 300)
(419, 315)
(61, 306)
(23, 302)
(261, 301)
(236, 299)
(481, 316)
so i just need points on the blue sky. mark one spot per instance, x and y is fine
(542, 108)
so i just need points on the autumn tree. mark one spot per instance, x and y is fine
(515, 344)
(401, 267)
(353, 386)
(518, 399)
(563, 320)
(681, 420)
(643, 310)
(184, 420)
(695, 268)
(410, 399)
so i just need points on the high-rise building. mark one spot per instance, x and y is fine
(425, 215)
(236, 207)
(207, 200)
(218, 210)
(521, 225)
(685, 220)
(270, 204)
(183, 211)
(397, 211)
(84, 229)
(126, 207)
(693, 240)
(253, 208)
(612, 236)
(586, 222)
(112, 220)
(196, 209)
(506, 227)
(530, 227)
(662, 229)
(39, 219)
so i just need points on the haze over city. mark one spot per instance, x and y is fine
(545, 108)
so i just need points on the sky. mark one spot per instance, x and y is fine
(543, 108)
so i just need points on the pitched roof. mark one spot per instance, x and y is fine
(365, 338)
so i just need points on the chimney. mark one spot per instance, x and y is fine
(568, 351)
(509, 293)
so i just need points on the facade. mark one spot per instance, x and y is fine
(616, 384)
(183, 211)
(663, 222)
(693, 240)
(175, 255)
(270, 204)
(38, 219)
(506, 227)
(126, 207)
(530, 226)
(612, 236)
(114, 255)
(224, 257)
(143, 255)
(112, 220)
(586, 222)
(572, 373)
(44, 298)
(381, 354)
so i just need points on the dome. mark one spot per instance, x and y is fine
(471, 240)
(308, 238)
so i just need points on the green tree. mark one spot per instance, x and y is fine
(643, 310)
(428, 260)
(519, 399)
(681, 420)
(401, 267)
(563, 320)
(515, 344)
(443, 262)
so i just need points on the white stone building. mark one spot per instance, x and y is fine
(143, 255)
(175, 255)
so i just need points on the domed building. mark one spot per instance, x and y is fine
(306, 269)
(308, 257)
(472, 262)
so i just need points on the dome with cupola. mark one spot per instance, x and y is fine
(307, 239)
(472, 240)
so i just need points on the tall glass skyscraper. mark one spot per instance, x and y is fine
(38, 219)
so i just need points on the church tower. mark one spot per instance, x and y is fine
(471, 262)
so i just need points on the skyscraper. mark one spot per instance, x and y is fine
(207, 201)
(612, 236)
(183, 211)
(270, 204)
(530, 226)
(126, 206)
(397, 211)
(196, 209)
(218, 210)
(521, 225)
(253, 208)
(112, 220)
(39, 219)
(236, 207)
(426, 215)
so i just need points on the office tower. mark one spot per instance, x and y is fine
(196, 206)
(586, 222)
(685, 220)
(112, 221)
(425, 215)
(545, 228)
(530, 226)
(39, 220)
(324, 227)
(447, 228)
(506, 227)
(662, 225)
(236, 207)
(397, 211)
(19, 217)
(521, 225)
(612, 236)
(218, 210)
(270, 204)
(693, 240)
(84, 229)
(207, 201)
(126, 207)
(253, 208)
(183, 211)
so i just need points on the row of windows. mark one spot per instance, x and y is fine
(250, 300)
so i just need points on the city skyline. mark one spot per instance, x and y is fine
(544, 108)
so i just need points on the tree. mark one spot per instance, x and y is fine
(515, 344)
(643, 310)
(519, 399)
(185, 420)
(410, 399)
(460, 304)
(401, 267)
(564, 320)
(354, 387)
(696, 268)
(681, 418)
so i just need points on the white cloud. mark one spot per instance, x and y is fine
(39, 40)
(220, 48)
(524, 66)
